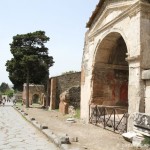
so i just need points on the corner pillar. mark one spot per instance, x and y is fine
(135, 90)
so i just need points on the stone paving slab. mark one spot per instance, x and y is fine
(17, 134)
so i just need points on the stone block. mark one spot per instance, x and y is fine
(146, 74)
(64, 140)
(32, 119)
(142, 123)
(129, 136)
(63, 107)
(74, 139)
(70, 120)
(64, 96)
(43, 126)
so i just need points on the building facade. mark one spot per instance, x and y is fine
(115, 63)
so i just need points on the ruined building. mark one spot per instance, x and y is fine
(65, 91)
(36, 93)
(115, 64)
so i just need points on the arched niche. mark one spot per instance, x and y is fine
(110, 71)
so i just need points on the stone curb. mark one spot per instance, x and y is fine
(47, 132)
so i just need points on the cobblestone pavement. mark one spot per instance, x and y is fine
(17, 134)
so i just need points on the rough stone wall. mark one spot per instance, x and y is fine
(74, 96)
(65, 82)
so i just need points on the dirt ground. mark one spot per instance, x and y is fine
(89, 136)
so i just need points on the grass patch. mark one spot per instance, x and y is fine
(146, 140)
(77, 114)
(57, 109)
(19, 104)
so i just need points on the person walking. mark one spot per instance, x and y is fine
(14, 101)
(3, 101)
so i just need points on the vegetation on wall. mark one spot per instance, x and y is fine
(68, 72)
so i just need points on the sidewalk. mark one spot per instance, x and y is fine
(88, 136)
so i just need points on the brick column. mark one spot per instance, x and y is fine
(53, 93)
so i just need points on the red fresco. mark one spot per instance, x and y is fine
(124, 92)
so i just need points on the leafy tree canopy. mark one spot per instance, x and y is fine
(9, 93)
(4, 87)
(30, 57)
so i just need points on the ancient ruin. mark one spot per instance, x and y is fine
(115, 64)
(65, 91)
(36, 94)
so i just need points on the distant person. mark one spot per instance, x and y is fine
(3, 101)
(8, 100)
(14, 101)
(0, 101)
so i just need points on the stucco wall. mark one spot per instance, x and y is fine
(110, 85)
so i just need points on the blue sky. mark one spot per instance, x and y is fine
(64, 21)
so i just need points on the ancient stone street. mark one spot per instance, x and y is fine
(17, 134)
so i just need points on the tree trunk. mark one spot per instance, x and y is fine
(47, 91)
(27, 90)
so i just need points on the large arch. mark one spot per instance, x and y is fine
(110, 71)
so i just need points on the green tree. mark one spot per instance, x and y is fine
(29, 62)
(3, 87)
(9, 93)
